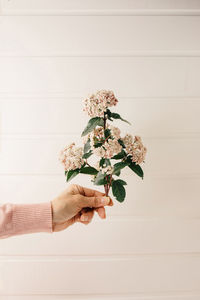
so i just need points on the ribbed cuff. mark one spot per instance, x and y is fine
(30, 218)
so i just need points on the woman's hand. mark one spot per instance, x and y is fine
(77, 204)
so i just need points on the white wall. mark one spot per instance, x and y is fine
(52, 54)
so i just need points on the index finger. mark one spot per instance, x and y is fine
(89, 192)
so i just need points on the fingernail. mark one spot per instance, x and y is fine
(84, 218)
(105, 200)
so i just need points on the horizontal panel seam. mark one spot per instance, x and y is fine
(94, 258)
(130, 296)
(99, 256)
(52, 136)
(154, 54)
(155, 175)
(100, 12)
(16, 95)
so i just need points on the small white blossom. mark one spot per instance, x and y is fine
(99, 151)
(112, 147)
(128, 140)
(109, 146)
(96, 104)
(107, 170)
(96, 136)
(71, 157)
(108, 149)
(115, 131)
(135, 148)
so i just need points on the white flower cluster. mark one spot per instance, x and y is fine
(71, 157)
(96, 136)
(104, 169)
(115, 131)
(96, 104)
(135, 148)
(107, 170)
(110, 146)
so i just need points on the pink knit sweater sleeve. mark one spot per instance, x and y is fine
(18, 219)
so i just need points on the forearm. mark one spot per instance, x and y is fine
(18, 219)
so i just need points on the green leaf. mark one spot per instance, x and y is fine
(100, 179)
(118, 166)
(96, 145)
(107, 133)
(88, 154)
(118, 190)
(120, 155)
(105, 161)
(87, 146)
(137, 169)
(109, 118)
(89, 170)
(121, 143)
(92, 124)
(117, 173)
(117, 116)
(108, 112)
(71, 174)
(121, 181)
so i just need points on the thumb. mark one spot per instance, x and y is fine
(94, 201)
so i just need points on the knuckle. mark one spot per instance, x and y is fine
(72, 187)
(76, 199)
(96, 201)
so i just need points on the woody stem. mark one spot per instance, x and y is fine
(106, 186)
(106, 189)
(110, 183)
(88, 164)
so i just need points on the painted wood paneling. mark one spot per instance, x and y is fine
(50, 6)
(53, 53)
(162, 296)
(136, 274)
(112, 236)
(148, 116)
(39, 155)
(57, 35)
(127, 76)
(162, 197)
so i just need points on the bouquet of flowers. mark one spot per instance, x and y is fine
(102, 139)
